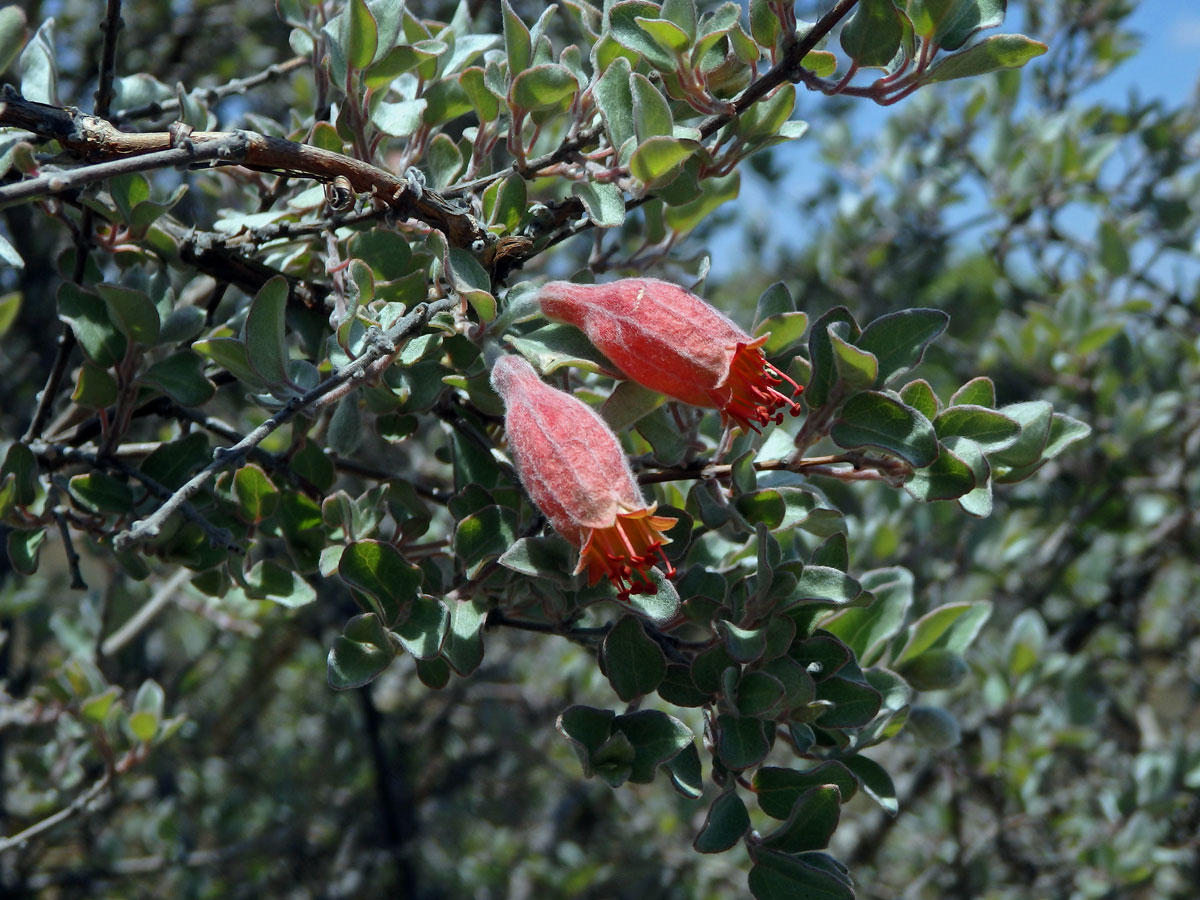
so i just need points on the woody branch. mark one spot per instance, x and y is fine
(107, 149)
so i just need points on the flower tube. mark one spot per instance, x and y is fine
(671, 341)
(575, 472)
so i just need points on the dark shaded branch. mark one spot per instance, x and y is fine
(248, 274)
(871, 841)
(277, 230)
(66, 336)
(111, 26)
(789, 68)
(66, 339)
(77, 582)
(399, 828)
(497, 618)
(66, 343)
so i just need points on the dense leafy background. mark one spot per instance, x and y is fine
(1058, 235)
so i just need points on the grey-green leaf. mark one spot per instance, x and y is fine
(724, 825)
(359, 654)
(811, 823)
(990, 429)
(874, 419)
(266, 349)
(634, 663)
(544, 87)
(899, 339)
(615, 99)
(1000, 51)
(873, 34)
(378, 570)
(783, 876)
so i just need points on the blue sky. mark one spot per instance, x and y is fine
(1166, 66)
(1168, 62)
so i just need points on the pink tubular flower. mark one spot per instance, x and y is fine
(575, 472)
(671, 341)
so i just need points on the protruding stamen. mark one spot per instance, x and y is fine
(749, 397)
(625, 551)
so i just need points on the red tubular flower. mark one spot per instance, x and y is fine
(671, 341)
(572, 467)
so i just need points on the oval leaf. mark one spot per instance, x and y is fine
(878, 420)
(266, 350)
(634, 663)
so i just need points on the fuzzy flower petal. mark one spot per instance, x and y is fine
(671, 341)
(575, 472)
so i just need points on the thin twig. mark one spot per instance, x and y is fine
(145, 615)
(53, 455)
(580, 225)
(278, 230)
(66, 340)
(380, 350)
(862, 468)
(788, 69)
(532, 167)
(212, 94)
(78, 805)
(495, 617)
(77, 582)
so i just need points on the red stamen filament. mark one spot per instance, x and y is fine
(624, 551)
(753, 398)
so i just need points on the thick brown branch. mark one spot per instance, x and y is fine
(96, 139)
(62, 182)
(246, 272)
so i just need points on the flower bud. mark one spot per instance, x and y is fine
(671, 341)
(575, 472)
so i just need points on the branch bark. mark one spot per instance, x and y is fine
(78, 805)
(862, 467)
(94, 138)
(790, 68)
